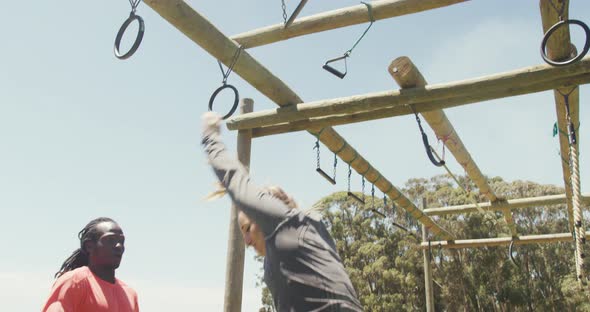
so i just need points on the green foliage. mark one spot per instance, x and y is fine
(386, 265)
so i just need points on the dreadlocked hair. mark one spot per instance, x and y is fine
(79, 257)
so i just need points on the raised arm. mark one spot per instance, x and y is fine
(260, 206)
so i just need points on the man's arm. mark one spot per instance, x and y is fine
(66, 295)
(265, 210)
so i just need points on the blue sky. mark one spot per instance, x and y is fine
(84, 134)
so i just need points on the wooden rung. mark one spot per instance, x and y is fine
(502, 241)
(326, 176)
(351, 194)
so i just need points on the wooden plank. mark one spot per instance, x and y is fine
(342, 119)
(234, 269)
(336, 19)
(500, 241)
(197, 28)
(518, 82)
(510, 204)
(429, 291)
(559, 47)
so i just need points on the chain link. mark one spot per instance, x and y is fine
(284, 6)
(373, 196)
(317, 148)
(349, 174)
(363, 188)
(335, 164)
(231, 65)
(134, 4)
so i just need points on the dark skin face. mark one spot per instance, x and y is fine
(104, 255)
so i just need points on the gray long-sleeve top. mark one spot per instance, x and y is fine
(302, 268)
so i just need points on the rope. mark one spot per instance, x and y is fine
(577, 207)
(370, 11)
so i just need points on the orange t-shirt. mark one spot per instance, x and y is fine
(81, 290)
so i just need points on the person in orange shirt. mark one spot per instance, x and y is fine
(86, 280)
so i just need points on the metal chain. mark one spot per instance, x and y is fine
(559, 11)
(349, 173)
(373, 196)
(317, 148)
(363, 188)
(335, 164)
(384, 201)
(134, 4)
(231, 65)
(284, 12)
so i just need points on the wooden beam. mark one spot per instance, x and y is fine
(407, 75)
(559, 47)
(336, 19)
(500, 241)
(205, 34)
(343, 119)
(428, 289)
(234, 269)
(522, 81)
(510, 204)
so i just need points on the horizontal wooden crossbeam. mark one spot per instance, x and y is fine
(500, 241)
(437, 96)
(353, 15)
(509, 204)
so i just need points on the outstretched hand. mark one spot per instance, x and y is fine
(211, 122)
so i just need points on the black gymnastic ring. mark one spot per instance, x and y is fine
(236, 99)
(552, 30)
(132, 17)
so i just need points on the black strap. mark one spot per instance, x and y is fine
(425, 142)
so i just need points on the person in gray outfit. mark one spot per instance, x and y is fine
(302, 268)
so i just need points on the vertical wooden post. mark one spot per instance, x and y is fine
(234, 271)
(427, 269)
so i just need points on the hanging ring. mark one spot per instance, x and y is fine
(138, 38)
(552, 30)
(236, 99)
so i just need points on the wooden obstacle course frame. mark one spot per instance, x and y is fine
(221, 47)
